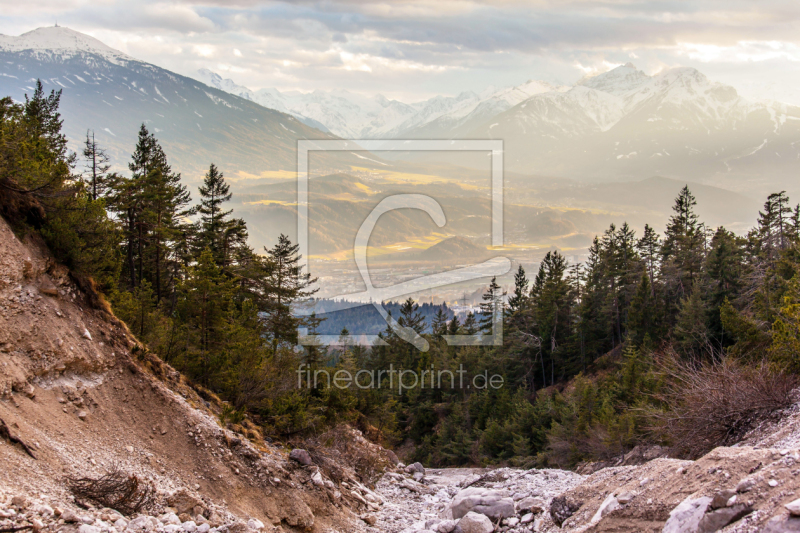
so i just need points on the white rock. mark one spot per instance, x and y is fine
(121, 524)
(534, 505)
(44, 510)
(511, 522)
(86, 334)
(203, 528)
(173, 528)
(86, 528)
(170, 518)
(608, 505)
(445, 526)
(625, 498)
(687, 515)
(137, 524)
(257, 524)
(475, 523)
(793, 507)
(745, 485)
(487, 502)
(527, 518)
(772, 483)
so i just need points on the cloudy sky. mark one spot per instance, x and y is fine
(414, 49)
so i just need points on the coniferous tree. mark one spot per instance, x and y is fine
(206, 301)
(152, 208)
(682, 252)
(284, 284)
(491, 307)
(550, 298)
(641, 318)
(775, 225)
(725, 269)
(521, 289)
(97, 166)
(649, 249)
(215, 224)
(439, 323)
(691, 328)
(471, 326)
(453, 327)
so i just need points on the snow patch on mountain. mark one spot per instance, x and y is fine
(59, 41)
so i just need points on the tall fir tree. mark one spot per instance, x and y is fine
(97, 166)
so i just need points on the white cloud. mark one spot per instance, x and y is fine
(741, 52)
(420, 47)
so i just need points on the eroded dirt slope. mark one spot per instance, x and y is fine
(75, 401)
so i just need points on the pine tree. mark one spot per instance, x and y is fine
(313, 354)
(796, 223)
(152, 207)
(682, 252)
(206, 303)
(35, 158)
(471, 326)
(410, 316)
(453, 327)
(283, 284)
(595, 324)
(521, 289)
(775, 226)
(785, 349)
(724, 267)
(691, 329)
(439, 324)
(214, 222)
(649, 249)
(491, 307)
(97, 166)
(550, 294)
(641, 318)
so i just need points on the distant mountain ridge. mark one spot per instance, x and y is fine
(622, 124)
(351, 115)
(625, 123)
(113, 94)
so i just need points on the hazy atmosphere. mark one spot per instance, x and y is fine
(399, 267)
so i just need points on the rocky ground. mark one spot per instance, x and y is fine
(736, 489)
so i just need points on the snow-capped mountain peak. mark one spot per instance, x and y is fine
(58, 40)
(618, 81)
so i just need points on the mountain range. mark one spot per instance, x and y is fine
(353, 116)
(622, 124)
(113, 94)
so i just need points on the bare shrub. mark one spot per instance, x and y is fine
(126, 493)
(343, 453)
(716, 404)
